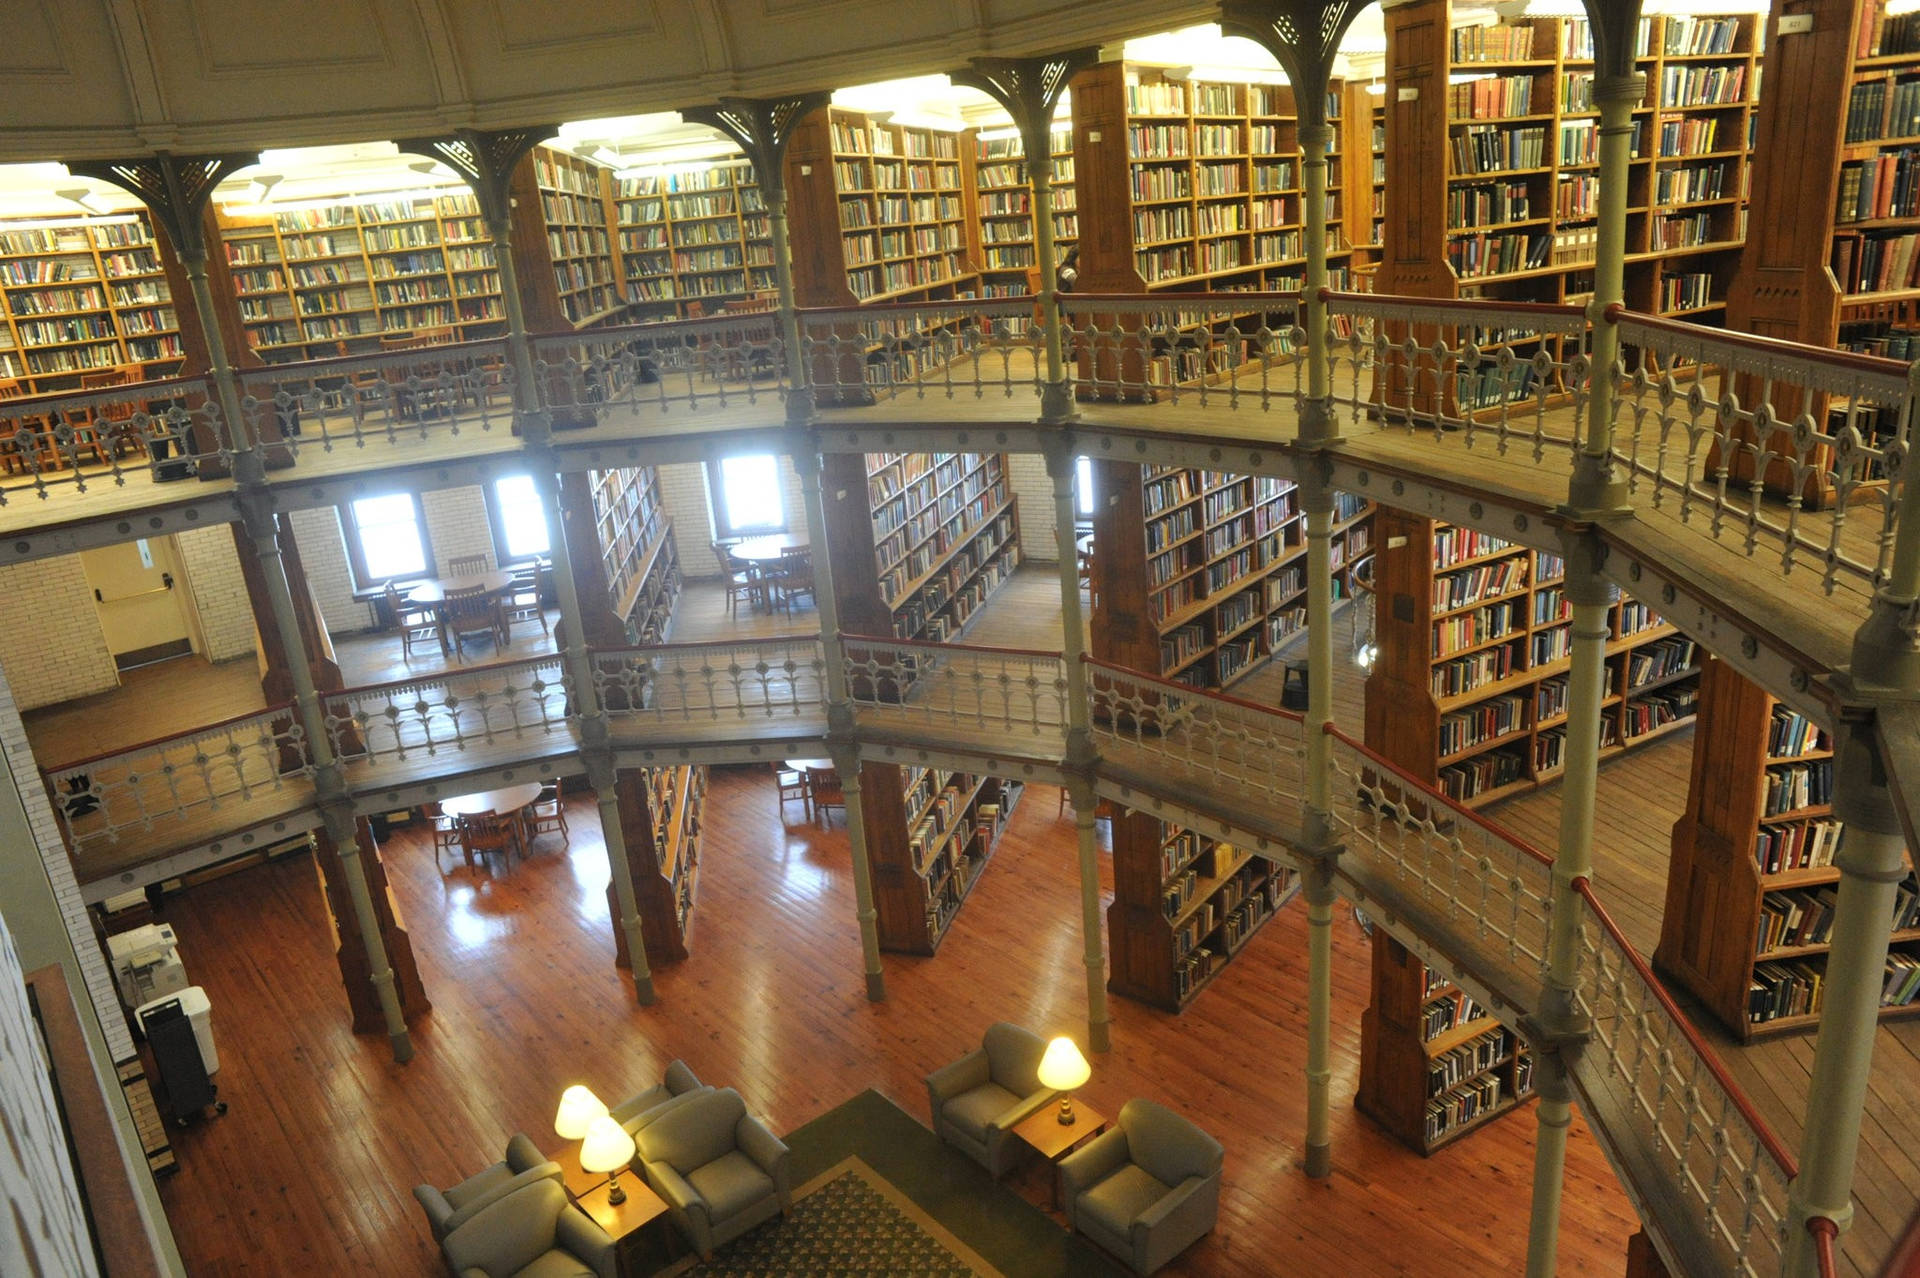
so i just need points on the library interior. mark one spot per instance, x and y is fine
(1210, 638)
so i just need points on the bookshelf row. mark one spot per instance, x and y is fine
(953, 823)
(946, 534)
(637, 550)
(662, 813)
(84, 296)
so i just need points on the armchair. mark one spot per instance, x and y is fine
(534, 1231)
(719, 1170)
(641, 1109)
(977, 1099)
(448, 1209)
(1148, 1189)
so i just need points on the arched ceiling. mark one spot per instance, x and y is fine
(115, 78)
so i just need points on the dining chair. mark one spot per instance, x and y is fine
(742, 581)
(793, 785)
(824, 788)
(488, 832)
(548, 814)
(529, 588)
(446, 838)
(472, 614)
(792, 578)
(469, 565)
(112, 423)
(11, 458)
(416, 624)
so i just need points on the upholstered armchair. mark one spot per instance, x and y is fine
(533, 1232)
(718, 1168)
(448, 1209)
(642, 1108)
(1146, 1190)
(977, 1099)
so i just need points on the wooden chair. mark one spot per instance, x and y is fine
(742, 581)
(469, 614)
(793, 785)
(824, 788)
(446, 834)
(490, 832)
(529, 588)
(11, 458)
(793, 577)
(548, 815)
(113, 425)
(469, 565)
(416, 623)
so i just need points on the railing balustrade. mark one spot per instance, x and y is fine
(420, 392)
(1510, 374)
(1000, 697)
(183, 782)
(1226, 349)
(451, 712)
(1728, 1168)
(650, 369)
(752, 683)
(164, 429)
(1706, 421)
(966, 347)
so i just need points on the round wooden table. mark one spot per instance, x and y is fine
(766, 550)
(506, 801)
(432, 593)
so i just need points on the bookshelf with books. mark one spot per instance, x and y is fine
(952, 823)
(1009, 260)
(638, 554)
(1183, 905)
(84, 296)
(1468, 692)
(690, 239)
(661, 817)
(946, 534)
(1434, 1065)
(1751, 887)
(1200, 576)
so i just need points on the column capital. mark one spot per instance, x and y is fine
(1615, 25)
(485, 158)
(1303, 36)
(1060, 449)
(1029, 89)
(175, 188)
(761, 127)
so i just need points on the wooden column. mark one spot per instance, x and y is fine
(1402, 720)
(819, 257)
(277, 682)
(350, 947)
(1122, 631)
(602, 627)
(1103, 183)
(533, 271)
(653, 893)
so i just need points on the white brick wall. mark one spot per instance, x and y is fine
(323, 553)
(51, 644)
(683, 491)
(219, 591)
(457, 525)
(1027, 475)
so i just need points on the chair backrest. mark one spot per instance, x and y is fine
(824, 784)
(10, 388)
(697, 1132)
(1168, 1147)
(796, 565)
(469, 565)
(1013, 1057)
(395, 602)
(487, 830)
(512, 1233)
(728, 564)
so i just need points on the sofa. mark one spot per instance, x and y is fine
(534, 1231)
(642, 1108)
(448, 1209)
(1146, 1190)
(977, 1099)
(718, 1168)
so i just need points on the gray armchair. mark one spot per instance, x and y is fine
(1148, 1189)
(718, 1168)
(448, 1209)
(978, 1098)
(533, 1232)
(642, 1108)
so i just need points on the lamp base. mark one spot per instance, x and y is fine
(1067, 1116)
(616, 1193)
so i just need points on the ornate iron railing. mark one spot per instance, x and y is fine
(451, 712)
(638, 371)
(167, 430)
(166, 785)
(1224, 349)
(417, 393)
(1014, 698)
(922, 350)
(728, 685)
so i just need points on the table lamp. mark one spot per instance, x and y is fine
(578, 1107)
(607, 1148)
(1062, 1069)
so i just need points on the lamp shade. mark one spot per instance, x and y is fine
(606, 1146)
(578, 1107)
(1063, 1068)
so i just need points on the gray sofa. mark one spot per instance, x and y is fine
(534, 1231)
(448, 1209)
(642, 1108)
(718, 1168)
(978, 1098)
(1146, 1190)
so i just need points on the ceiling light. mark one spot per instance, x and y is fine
(1002, 135)
(84, 197)
(600, 153)
(1228, 75)
(61, 223)
(261, 188)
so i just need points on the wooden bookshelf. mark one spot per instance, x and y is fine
(84, 296)
(1183, 905)
(637, 549)
(946, 530)
(1492, 187)
(1200, 576)
(1752, 881)
(1433, 1065)
(1009, 259)
(661, 813)
(574, 201)
(691, 239)
(953, 822)
(1469, 690)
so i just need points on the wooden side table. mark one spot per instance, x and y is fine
(641, 1232)
(579, 1182)
(1053, 1140)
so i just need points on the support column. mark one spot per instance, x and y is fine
(1318, 841)
(351, 951)
(846, 761)
(1030, 89)
(1558, 1025)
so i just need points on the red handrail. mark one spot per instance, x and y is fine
(15, 406)
(754, 642)
(280, 707)
(442, 677)
(1189, 690)
(1768, 1140)
(1824, 1232)
(1014, 302)
(307, 367)
(1905, 1261)
(1781, 346)
(889, 642)
(1453, 304)
(1173, 301)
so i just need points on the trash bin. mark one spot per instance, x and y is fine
(199, 1013)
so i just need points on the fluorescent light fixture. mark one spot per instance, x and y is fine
(663, 167)
(85, 198)
(1227, 74)
(1002, 135)
(1715, 8)
(600, 153)
(1542, 9)
(62, 223)
(1377, 89)
(356, 198)
(1899, 8)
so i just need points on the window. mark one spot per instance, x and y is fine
(519, 519)
(387, 538)
(748, 497)
(1083, 486)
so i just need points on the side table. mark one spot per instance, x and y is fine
(641, 1231)
(578, 1181)
(1053, 1140)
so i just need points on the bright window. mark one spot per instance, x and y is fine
(387, 533)
(748, 496)
(519, 519)
(1083, 486)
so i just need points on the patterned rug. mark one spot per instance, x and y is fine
(846, 1223)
